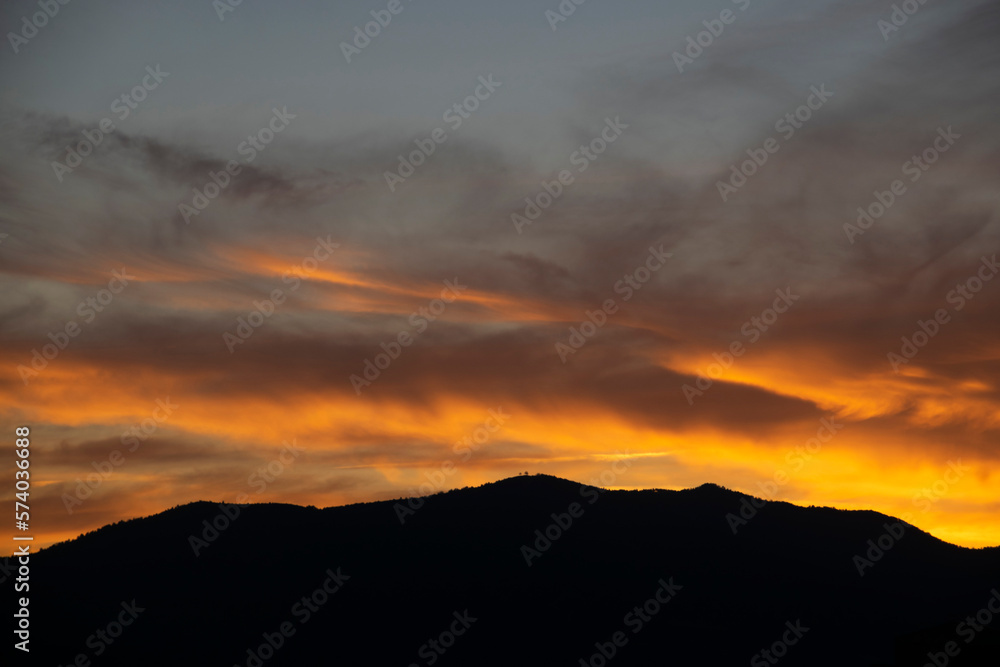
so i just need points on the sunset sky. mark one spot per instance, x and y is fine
(643, 129)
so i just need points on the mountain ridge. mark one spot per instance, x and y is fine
(549, 567)
(534, 481)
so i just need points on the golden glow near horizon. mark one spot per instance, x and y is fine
(209, 447)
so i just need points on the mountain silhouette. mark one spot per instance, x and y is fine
(531, 570)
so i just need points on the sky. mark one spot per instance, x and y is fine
(248, 253)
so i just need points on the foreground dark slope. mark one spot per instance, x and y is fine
(462, 551)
